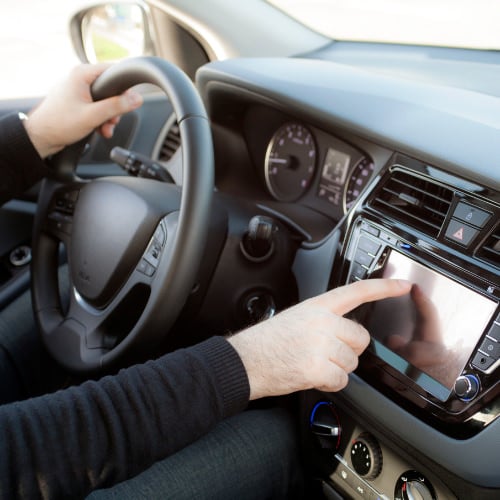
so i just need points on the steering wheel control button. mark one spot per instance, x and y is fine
(460, 232)
(153, 252)
(146, 268)
(466, 387)
(60, 222)
(366, 456)
(470, 214)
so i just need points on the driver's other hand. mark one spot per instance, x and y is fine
(68, 113)
(310, 345)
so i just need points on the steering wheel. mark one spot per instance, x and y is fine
(133, 245)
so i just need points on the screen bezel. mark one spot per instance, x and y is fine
(402, 366)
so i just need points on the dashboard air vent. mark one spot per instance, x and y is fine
(415, 201)
(171, 143)
(490, 251)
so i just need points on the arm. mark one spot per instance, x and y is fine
(64, 445)
(20, 163)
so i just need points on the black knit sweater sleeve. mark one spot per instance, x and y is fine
(64, 445)
(20, 165)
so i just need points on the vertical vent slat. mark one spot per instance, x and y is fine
(171, 143)
(490, 251)
(415, 201)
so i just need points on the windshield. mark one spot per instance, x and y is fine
(448, 23)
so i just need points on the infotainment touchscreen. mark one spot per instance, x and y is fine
(429, 334)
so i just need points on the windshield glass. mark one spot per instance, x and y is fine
(447, 23)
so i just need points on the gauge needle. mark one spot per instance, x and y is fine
(292, 162)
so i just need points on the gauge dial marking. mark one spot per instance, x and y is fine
(290, 162)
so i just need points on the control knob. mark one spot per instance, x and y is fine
(466, 387)
(258, 242)
(325, 425)
(413, 486)
(366, 456)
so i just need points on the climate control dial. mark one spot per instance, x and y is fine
(412, 485)
(366, 456)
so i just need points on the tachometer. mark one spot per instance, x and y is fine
(358, 180)
(290, 162)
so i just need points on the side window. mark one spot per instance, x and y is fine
(35, 46)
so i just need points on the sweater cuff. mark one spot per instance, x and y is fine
(31, 168)
(229, 372)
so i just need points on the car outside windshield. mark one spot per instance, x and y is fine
(449, 23)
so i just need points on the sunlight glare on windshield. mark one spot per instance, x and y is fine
(450, 23)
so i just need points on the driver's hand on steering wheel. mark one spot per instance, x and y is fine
(68, 113)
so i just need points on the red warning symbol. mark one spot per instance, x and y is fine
(459, 235)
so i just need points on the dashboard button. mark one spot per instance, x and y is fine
(388, 238)
(460, 233)
(471, 215)
(358, 272)
(363, 258)
(370, 229)
(494, 331)
(368, 245)
(491, 348)
(482, 361)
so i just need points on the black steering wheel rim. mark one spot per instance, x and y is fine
(65, 334)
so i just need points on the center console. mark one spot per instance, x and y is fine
(434, 353)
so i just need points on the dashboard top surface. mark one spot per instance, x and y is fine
(453, 127)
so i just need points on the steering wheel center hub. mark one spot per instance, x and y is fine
(112, 225)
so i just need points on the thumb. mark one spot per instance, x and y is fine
(106, 109)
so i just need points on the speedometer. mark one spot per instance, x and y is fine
(290, 162)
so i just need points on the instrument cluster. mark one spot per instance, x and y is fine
(306, 164)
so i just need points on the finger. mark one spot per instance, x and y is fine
(90, 72)
(346, 298)
(333, 379)
(353, 334)
(107, 109)
(343, 356)
(106, 130)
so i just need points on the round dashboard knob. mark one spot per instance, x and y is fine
(366, 456)
(466, 387)
(325, 425)
(412, 486)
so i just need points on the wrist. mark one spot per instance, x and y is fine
(43, 147)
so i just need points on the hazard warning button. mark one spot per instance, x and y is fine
(460, 233)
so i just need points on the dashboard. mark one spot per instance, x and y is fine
(378, 175)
